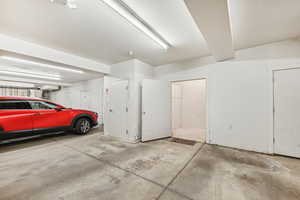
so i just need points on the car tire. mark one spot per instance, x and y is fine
(83, 126)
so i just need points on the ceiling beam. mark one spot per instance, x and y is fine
(34, 81)
(30, 49)
(212, 18)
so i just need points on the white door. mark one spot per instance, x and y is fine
(287, 112)
(117, 109)
(156, 108)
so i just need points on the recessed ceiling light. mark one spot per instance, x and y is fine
(132, 17)
(28, 62)
(28, 75)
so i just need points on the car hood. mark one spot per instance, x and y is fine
(82, 110)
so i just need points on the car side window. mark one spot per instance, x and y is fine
(14, 105)
(41, 105)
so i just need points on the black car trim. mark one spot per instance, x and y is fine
(31, 132)
(53, 129)
(16, 134)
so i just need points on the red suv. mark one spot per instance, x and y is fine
(21, 117)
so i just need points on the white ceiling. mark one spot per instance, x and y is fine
(257, 22)
(94, 31)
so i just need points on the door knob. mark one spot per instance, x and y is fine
(110, 110)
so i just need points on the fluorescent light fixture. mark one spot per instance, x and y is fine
(28, 62)
(28, 75)
(130, 15)
(30, 72)
(16, 84)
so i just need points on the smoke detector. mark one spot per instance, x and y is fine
(69, 3)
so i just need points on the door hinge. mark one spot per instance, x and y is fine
(273, 140)
(126, 132)
(273, 109)
(126, 109)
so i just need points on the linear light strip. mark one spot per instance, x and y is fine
(130, 15)
(40, 64)
(16, 84)
(32, 72)
(28, 75)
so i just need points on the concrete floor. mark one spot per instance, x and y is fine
(195, 134)
(99, 167)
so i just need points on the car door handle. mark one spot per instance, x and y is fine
(36, 114)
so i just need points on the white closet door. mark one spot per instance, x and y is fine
(287, 112)
(117, 109)
(156, 104)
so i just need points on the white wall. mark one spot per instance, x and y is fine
(288, 49)
(74, 96)
(134, 71)
(239, 93)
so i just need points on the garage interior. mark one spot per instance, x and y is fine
(197, 99)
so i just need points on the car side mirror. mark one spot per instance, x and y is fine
(58, 109)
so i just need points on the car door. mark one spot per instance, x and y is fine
(47, 118)
(15, 116)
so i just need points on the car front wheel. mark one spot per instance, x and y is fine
(83, 126)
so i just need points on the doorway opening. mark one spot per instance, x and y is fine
(189, 110)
